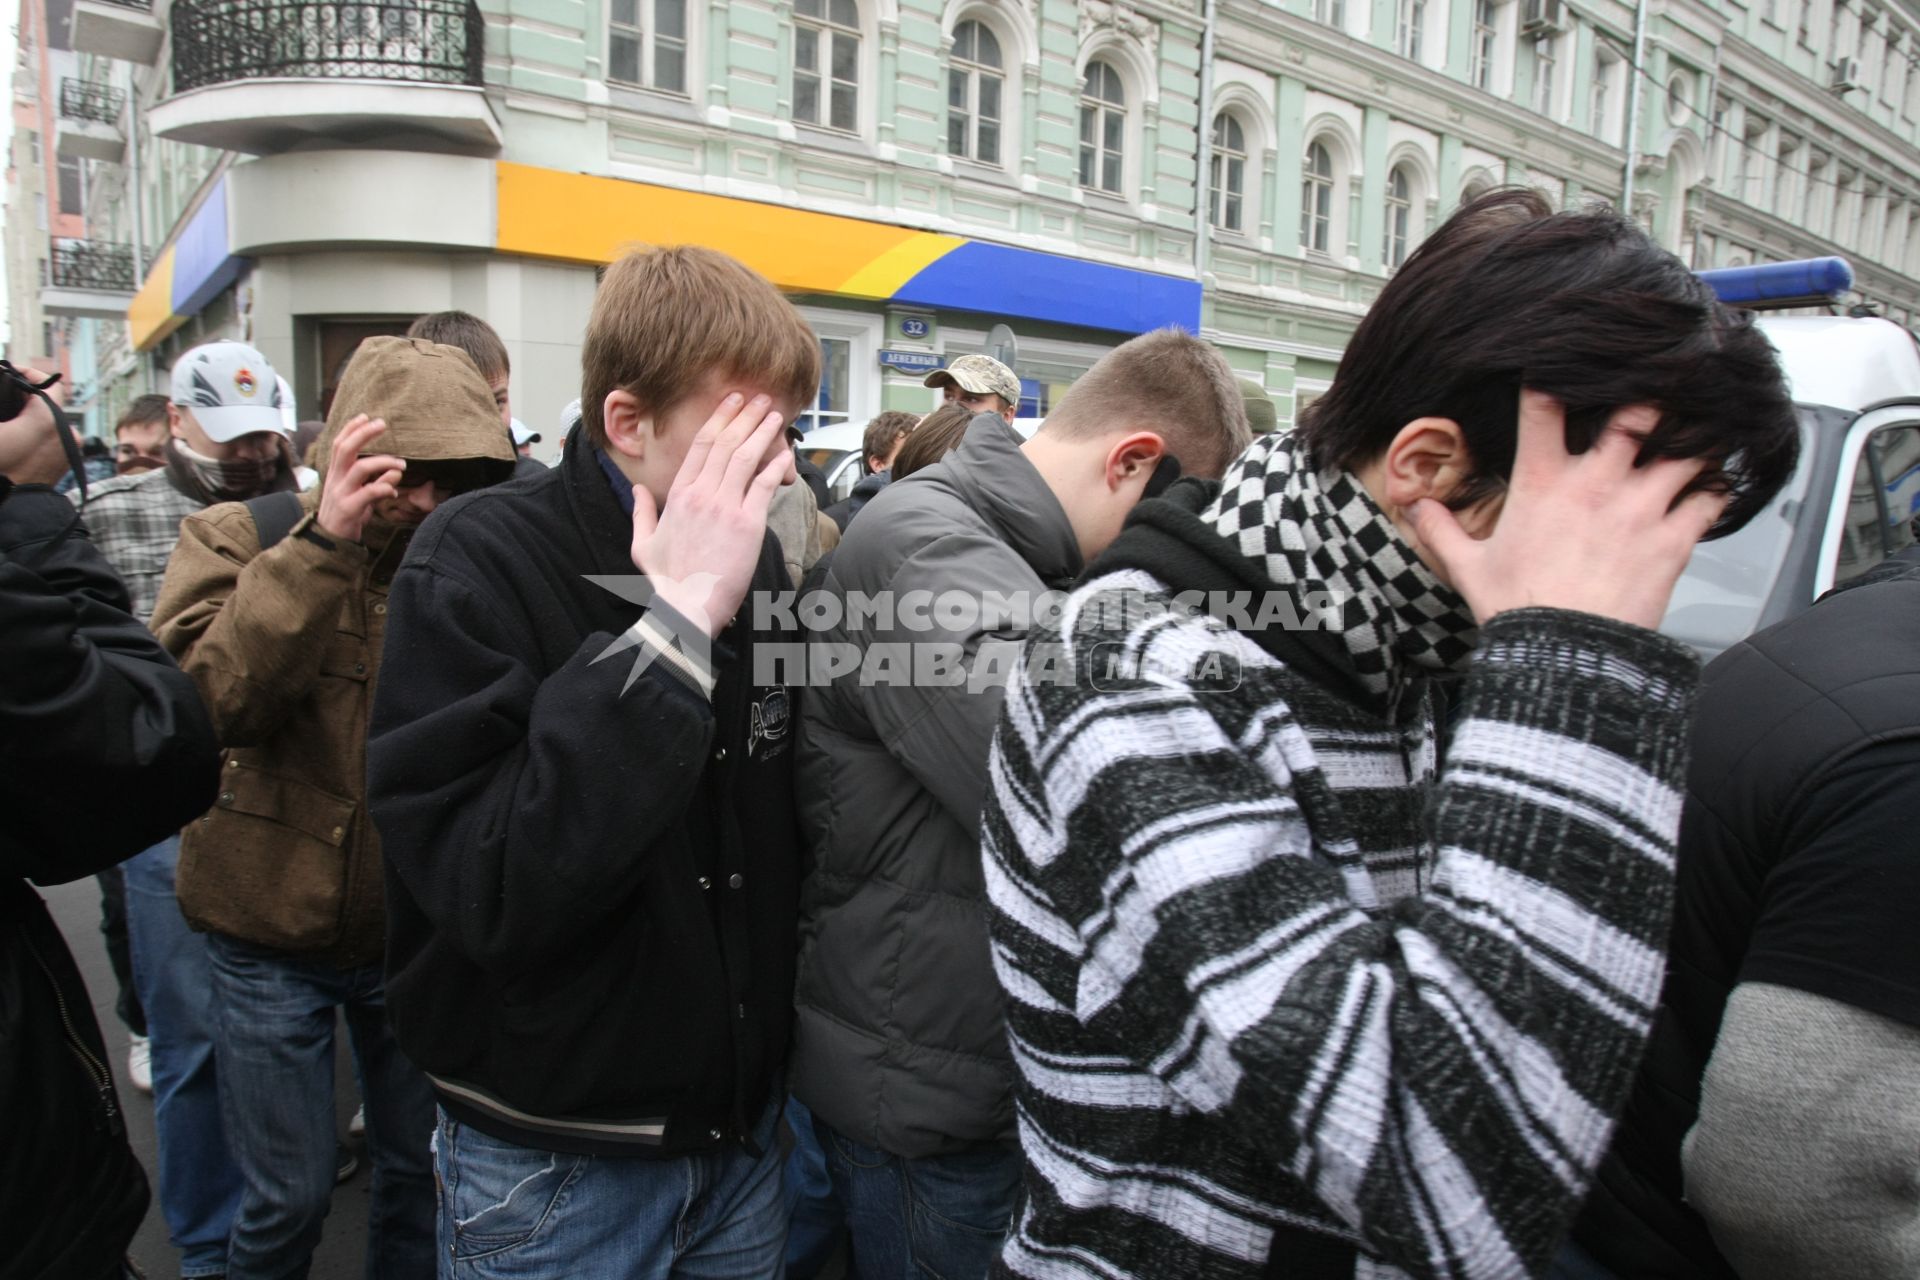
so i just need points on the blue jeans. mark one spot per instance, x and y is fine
(199, 1182)
(935, 1216)
(816, 1223)
(276, 1017)
(509, 1212)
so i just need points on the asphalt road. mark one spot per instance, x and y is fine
(343, 1246)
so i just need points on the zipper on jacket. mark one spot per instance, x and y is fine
(97, 1074)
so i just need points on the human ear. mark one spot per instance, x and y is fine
(1131, 460)
(629, 427)
(1428, 458)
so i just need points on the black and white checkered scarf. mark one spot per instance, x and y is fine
(1319, 530)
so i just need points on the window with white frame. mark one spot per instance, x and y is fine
(1600, 108)
(1399, 218)
(849, 346)
(1227, 187)
(1544, 60)
(1486, 39)
(650, 54)
(1316, 199)
(826, 64)
(1332, 12)
(1103, 128)
(975, 77)
(1413, 22)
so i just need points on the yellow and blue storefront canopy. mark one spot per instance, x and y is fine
(544, 213)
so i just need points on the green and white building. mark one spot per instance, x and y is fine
(914, 172)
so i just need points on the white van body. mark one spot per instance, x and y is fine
(1851, 501)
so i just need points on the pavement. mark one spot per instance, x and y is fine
(343, 1245)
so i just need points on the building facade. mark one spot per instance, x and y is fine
(302, 173)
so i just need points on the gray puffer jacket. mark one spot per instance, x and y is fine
(900, 1042)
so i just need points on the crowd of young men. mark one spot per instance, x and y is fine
(1316, 931)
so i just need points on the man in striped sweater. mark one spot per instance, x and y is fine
(1330, 841)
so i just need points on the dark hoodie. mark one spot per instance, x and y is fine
(284, 645)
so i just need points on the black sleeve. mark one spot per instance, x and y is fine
(515, 805)
(105, 747)
(1837, 914)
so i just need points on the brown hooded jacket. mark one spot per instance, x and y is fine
(284, 645)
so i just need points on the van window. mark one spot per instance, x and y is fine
(1883, 503)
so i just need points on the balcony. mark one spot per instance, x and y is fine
(89, 123)
(90, 279)
(123, 29)
(267, 76)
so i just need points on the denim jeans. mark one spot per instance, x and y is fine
(276, 1018)
(199, 1182)
(509, 1212)
(816, 1222)
(936, 1216)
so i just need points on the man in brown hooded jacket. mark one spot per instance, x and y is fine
(284, 872)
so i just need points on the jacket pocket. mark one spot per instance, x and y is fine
(268, 863)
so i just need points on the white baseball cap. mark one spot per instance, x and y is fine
(231, 389)
(523, 434)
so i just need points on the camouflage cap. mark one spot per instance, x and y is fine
(982, 375)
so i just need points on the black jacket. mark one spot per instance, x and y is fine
(1777, 714)
(90, 707)
(865, 490)
(591, 888)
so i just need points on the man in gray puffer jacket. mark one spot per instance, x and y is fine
(900, 1046)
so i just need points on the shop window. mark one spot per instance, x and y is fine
(826, 64)
(651, 55)
(975, 80)
(834, 403)
(1103, 128)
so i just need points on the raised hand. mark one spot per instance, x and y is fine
(699, 553)
(1592, 532)
(353, 483)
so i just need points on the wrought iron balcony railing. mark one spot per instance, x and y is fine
(85, 100)
(93, 264)
(425, 41)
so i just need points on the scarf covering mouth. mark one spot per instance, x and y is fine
(1314, 530)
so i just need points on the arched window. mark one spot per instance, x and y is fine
(1227, 185)
(1399, 218)
(826, 64)
(1103, 128)
(1316, 198)
(975, 78)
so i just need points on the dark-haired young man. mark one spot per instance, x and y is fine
(140, 435)
(899, 1047)
(1295, 987)
(878, 445)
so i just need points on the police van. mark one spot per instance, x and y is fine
(1855, 497)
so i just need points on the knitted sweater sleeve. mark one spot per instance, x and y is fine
(1441, 1075)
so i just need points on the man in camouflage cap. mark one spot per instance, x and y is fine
(981, 383)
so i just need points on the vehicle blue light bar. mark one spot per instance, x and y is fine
(1811, 279)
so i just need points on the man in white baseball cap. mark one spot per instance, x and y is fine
(226, 420)
(981, 383)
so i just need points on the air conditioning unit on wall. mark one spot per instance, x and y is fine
(1544, 18)
(1846, 75)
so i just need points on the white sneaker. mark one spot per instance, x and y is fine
(140, 1063)
(357, 1127)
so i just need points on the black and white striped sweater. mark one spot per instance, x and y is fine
(1288, 995)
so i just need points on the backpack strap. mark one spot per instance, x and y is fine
(274, 515)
